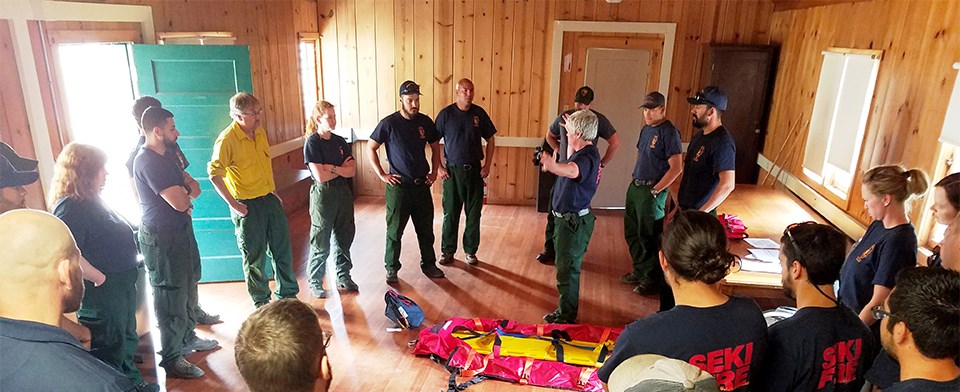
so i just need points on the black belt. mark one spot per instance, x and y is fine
(567, 215)
(637, 182)
(464, 166)
(334, 182)
(406, 181)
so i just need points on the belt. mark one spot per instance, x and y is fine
(464, 166)
(334, 182)
(412, 181)
(637, 182)
(582, 212)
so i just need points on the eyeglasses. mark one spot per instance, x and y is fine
(879, 313)
(327, 335)
(256, 114)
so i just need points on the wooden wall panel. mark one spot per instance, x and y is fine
(14, 124)
(920, 41)
(504, 47)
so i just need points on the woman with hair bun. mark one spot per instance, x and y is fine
(890, 243)
(723, 335)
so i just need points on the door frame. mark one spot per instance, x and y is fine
(667, 30)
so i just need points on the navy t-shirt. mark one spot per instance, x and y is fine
(153, 173)
(574, 194)
(655, 146)
(875, 260)
(919, 385)
(605, 131)
(333, 151)
(819, 349)
(461, 132)
(174, 150)
(707, 156)
(105, 239)
(406, 141)
(728, 341)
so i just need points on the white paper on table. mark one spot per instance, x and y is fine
(762, 243)
(767, 255)
(759, 266)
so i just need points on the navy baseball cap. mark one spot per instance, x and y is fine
(653, 100)
(584, 95)
(409, 87)
(710, 95)
(20, 163)
(10, 177)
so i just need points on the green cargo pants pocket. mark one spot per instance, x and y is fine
(159, 257)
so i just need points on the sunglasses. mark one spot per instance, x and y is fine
(879, 313)
(327, 335)
(699, 97)
(793, 241)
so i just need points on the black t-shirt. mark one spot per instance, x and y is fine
(707, 156)
(406, 141)
(574, 194)
(818, 349)
(105, 239)
(175, 150)
(875, 260)
(153, 173)
(461, 132)
(919, 385)
(884, 372)
(728, 341)
(605, 131)
(333, 151)
(655, 146)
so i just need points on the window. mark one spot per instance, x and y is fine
(839, 119)
(310, 77)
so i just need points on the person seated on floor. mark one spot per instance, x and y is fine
(280, 347)
(824, 346)
(920, 328)
(723, 335)
(42, 281)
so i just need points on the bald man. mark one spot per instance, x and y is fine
(42, 281)
(461, 126)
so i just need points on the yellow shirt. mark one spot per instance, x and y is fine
(243, 163)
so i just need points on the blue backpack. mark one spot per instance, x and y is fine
(402, 311)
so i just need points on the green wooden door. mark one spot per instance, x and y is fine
(196, 83)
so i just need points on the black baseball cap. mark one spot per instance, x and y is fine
(653, 100)
(710, 95)
(409, 87)
(584, 95)
(10, 177)
(19, 163)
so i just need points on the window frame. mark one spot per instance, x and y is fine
(315, 39)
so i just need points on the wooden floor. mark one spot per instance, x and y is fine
(507, 283)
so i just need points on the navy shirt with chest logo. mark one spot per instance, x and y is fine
(172, 150)
(707, 156)
(333, 151)
(406, 142)
(875, 260)
(819, 349)
(461, 132)
(655, 146)
(574, 194)
(152, 174)
(605, 131)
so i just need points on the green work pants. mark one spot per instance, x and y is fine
(110, 313)
(406, 202)
(642, 226)
(173, 260)
(331, 215)
(462, 191)
(264, 229)
(548, 231)
(572, 235)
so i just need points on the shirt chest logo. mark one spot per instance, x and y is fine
(696, 157)
(423, 134)
(653, 142)
(866, 253)
(476, 121)
(342, 154)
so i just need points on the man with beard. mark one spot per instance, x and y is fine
(710, 163)
(168, 244)
(406, 134)
(42, 280)
(824, 346)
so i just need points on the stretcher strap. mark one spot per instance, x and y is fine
(478, 324)
(585, 375)
(539, 329)
(527, 364)
(604, 336)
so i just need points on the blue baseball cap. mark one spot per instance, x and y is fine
(710, 95)
(10, 177)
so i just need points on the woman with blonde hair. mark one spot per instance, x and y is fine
(107, 242)
(890, 243)
(331, 163)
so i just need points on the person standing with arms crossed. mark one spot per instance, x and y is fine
(242, 173)
(461, 125)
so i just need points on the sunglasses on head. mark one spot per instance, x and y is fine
(793, 241)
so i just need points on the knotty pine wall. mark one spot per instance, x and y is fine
(920, 42)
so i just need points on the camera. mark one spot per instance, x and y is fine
(536, 155)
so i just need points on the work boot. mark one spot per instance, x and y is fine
(181, 368)
(432, 271)
(446, 259)
(546, 258)
(208, 319)
(318, 292)
(555, 318)
(258, 305)
(147, 387)
(347, 284)
(392, 277)
(472, 259)
(198, 344)
(631, 278)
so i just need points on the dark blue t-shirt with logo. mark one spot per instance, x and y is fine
(333, 151)
(918, 385)
(875, 260)
(461, 132)
(174, 150)
(707, 156)
(406, 142)
(655, 146)
(153, 173)
(728, 341)
(819, 349)
(105, 239)
(574, 194)
(605, 131)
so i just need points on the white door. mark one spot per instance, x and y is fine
(619, 80)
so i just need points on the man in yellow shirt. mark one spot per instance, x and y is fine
(241, 172)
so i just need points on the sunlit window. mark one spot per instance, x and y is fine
(309, 74)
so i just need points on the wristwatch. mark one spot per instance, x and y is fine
(333, 169)
(655, 192)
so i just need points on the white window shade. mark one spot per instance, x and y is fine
(824, 108)
(853, 105)
(951, 122)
